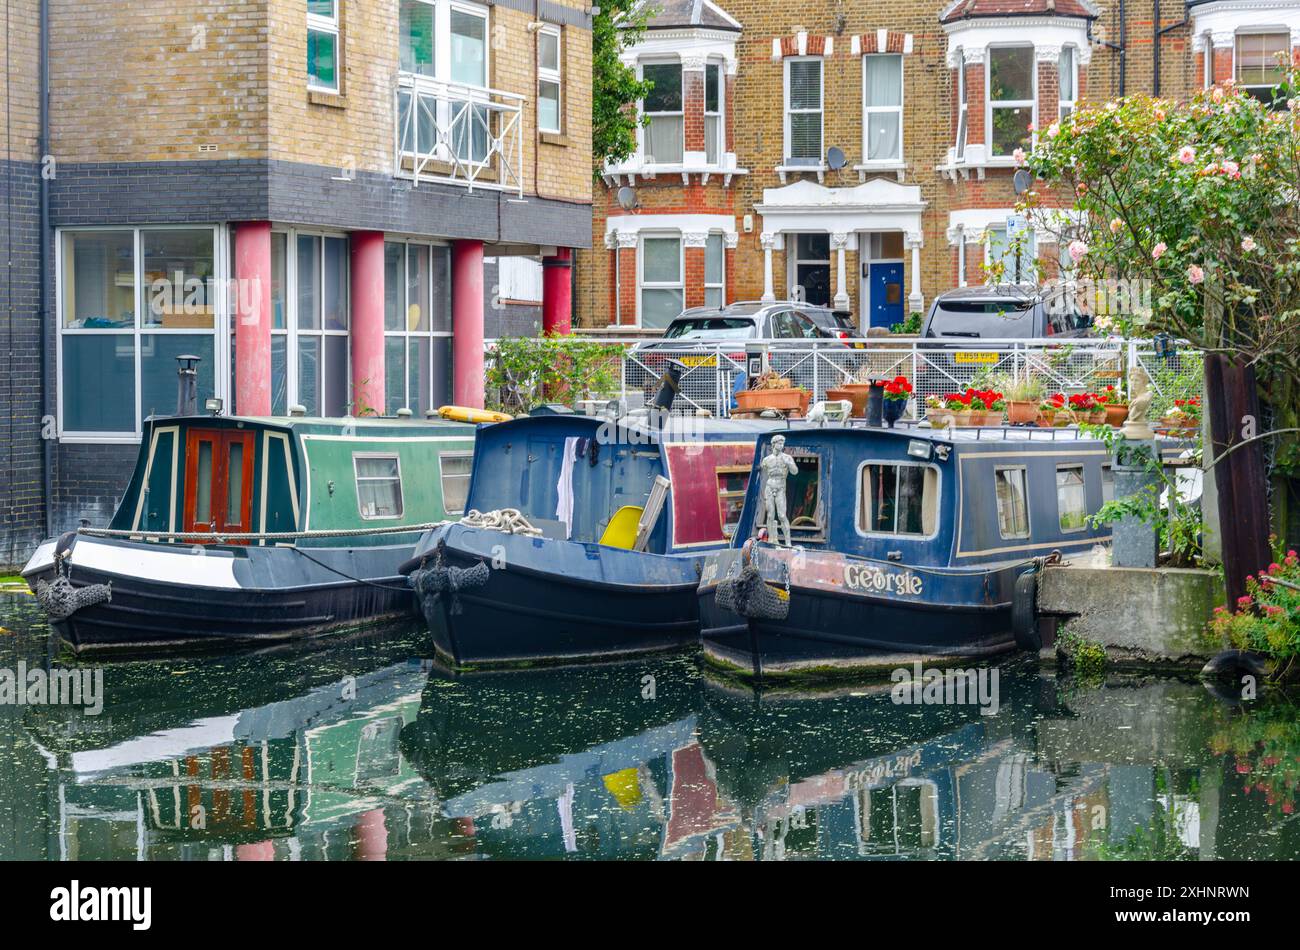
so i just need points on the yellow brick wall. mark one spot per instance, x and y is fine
(355, 128)
(152, 80)
(19, 81)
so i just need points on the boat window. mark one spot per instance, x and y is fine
(732, 482)
(203, 499)
(1107, 484)
(455, 468)
(801, 493)
(1071, 500)
(379, 486)
(235, 484)
(1013, 507)
(898, 499)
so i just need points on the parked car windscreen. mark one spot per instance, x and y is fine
(993, 319)
(710, 328)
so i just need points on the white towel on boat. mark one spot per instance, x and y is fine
(564, 487)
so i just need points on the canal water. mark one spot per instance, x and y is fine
(360, 748)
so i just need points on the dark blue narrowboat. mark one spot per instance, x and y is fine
(254, 530)
(583, 537)
(908, 543)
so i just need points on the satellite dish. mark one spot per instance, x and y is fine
(627, 199)
(835, 159)
(1022, 180)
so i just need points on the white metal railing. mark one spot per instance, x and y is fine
(933, 367)
(449, 132)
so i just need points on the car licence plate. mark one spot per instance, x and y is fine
(693, 361)
(976, 356)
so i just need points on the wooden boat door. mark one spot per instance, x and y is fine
(218, 481)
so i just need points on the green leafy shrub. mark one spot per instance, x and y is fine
(1266, 618)
(524, 372)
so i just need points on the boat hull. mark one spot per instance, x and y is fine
(852, 616)
(168, 596)
(549, 600)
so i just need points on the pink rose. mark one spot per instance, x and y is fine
(1018, 155)
(1078, 250)
(1116, 225)
(1195, 274)
(1187, 155)
(1231, 169)
(1158, 251)
(1248, 244)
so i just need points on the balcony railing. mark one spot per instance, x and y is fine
(452, 133)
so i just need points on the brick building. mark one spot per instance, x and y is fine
(862, 154)
(331, 202)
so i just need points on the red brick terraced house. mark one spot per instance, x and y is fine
(862, 156)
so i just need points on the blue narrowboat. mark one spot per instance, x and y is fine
(908, 543)
(584, 537)
(254, 529)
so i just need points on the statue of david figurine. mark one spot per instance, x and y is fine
(777, 466)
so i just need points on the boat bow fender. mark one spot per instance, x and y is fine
(432, 582)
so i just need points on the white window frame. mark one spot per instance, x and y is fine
(868, 111)
(899, 463)
(720, 114)
(787, 159)
(1083, 483)
(1066, 106)
(1024, 484)
(1031, 102)
(221, 323)
(1244, 33)
(317, 23)
(437, 58)
(720, 285)
(358, 478)
(641, 283)
(793, 260)
(294, 333)
(406, 334)
(963, 109)
(442, 39)
(552, 76)
(442, 478)
(1028, 273)
(641, 109)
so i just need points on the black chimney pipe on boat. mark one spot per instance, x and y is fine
(670, 384)
(187, 385)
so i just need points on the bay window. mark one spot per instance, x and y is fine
(713, 127)
(548, 79)
(882, 107)
(1010, 98)
(323, 45)
(715, 271)
(803, 110)
(963, 110)
(130, 300)
(417, 325)
(1259, 63)
(662, 137)
(1068, 74)
(662, 290)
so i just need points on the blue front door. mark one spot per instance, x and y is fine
(886, 282)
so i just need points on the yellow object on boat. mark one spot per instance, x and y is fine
(466, 414)
(625, 786)
(621, 530)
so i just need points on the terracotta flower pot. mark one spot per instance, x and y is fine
(977, 416)
(962, 418)
(940, 418)
(1019, 413)
(1097, 416)
(782, 400)
(1046, 418)
(1063, 418)
(855, 393)
(1116, 414)
(995, 417)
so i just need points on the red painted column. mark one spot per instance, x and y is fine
(253, 317)
(367, 335)
(557, 292)
(467, 324)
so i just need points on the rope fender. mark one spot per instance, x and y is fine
(59, 599)
(434, 581)
(750, 596)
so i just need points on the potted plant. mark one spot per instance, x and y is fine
(1115, 403)
(1085, 408)
(959, 405)
(937, 412)
(997, 404)
(773, 391)
(1022, 398)
(1049, 408)
(978, 408)
(1184, 417)
(897, 392)
(855, 393)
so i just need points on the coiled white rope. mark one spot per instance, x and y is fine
(505, 520)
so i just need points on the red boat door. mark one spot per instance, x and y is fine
(218, 481)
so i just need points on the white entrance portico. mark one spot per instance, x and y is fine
(846, 215)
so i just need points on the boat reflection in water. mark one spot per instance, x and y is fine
(361, 750)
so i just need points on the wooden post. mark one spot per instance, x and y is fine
(1232, 404)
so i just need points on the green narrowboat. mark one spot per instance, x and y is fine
(255, 529)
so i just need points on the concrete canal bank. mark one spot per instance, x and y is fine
(1142, 617)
